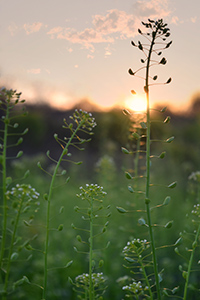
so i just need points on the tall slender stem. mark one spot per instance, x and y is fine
(91, 252)
(49, 207)
(11, 246)
(3, 240)
(147, 194)
(190, 265)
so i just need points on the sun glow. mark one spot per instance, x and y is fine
(136, 103)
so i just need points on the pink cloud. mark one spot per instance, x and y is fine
(34, 71)
(152, 8)
(115, 24)
(13, 28)
(31, 28)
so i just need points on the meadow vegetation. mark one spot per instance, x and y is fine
(122, 224)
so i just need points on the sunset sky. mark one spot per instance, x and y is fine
(65, 51)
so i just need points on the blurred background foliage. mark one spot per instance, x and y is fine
(104, 163)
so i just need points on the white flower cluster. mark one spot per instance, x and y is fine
(97, 279)
(134, 287)
(196, 210)
(195, 176)
(91, 190)
(135, 244)
(85, 117)
(21, 190)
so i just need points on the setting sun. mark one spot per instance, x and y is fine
(136, 103)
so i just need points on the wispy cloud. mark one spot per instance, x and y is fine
(13, 28)
(115, 24)
(31, 28)
(34, 71)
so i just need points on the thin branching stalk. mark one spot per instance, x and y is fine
(49, 206)
(11, 246)
(5, 208)
(91, 293)
(147, 195)
(190, 263)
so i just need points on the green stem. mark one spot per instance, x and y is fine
(5, 208)
(11, 248)
(91, 253)
(148, 171)
(145, 276)
(190, 264)
(48, 210)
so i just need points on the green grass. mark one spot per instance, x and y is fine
(120, 230)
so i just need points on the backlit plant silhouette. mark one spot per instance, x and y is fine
(82, 122)
(91, 285)
(156, 34)
(17, 200)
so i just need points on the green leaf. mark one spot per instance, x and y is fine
(169, 80)
(169, 224)
(163, 61)
(26, 223)
(176, 250)
(14, 256)
(184, 274)
(131, 72)
(194, 244)
(168, 45)
(61, 210)
(26, 174)
(163, 109)
(165, 293)
(25, 131)
(126, 112)
(143, 125)
(140, 46)
(101, 263)
(133, 44)
(79, 239)
(179, 241)
(130, 260)
(39, 165)
(169, 140)
(60, 227)
(128, 175)
(136, 135)
(69, 264)
(121, 210)
(162, 155)
(19, 154)
(167, 200)
(167, 119)
(20, 140)
(142, 222)
(172, 185)
(125, 151)
(147, 201)
(8, 180)
(155, 77)
(160, 277)
(131, 190)
(174, 291)
(45, 196)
